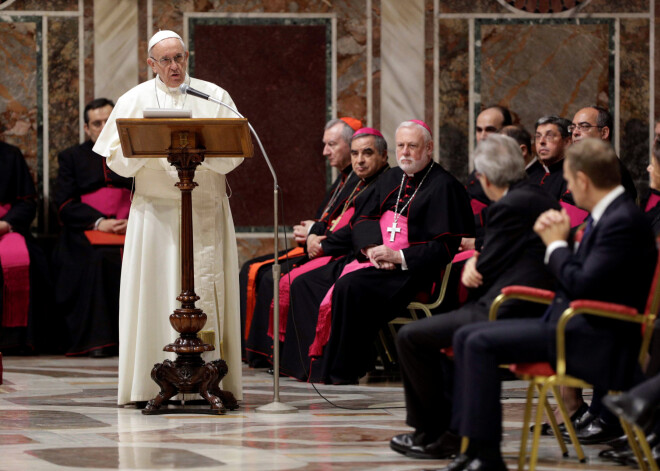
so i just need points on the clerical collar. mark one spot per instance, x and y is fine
(556, 167)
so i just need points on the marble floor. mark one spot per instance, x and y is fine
(60, 413)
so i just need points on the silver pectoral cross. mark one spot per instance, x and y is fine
(393, 230)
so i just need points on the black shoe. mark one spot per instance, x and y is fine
(460, 463)
(579, 424)
(403, 442)
(618, 443)
(546, 429)
(447, 446)
(632, 409)
(655, 453)
(598, 432)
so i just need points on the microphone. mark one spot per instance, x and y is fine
(187, 89)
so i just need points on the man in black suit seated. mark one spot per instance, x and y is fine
(511, 254)
(614, 262)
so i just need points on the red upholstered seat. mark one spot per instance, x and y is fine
(536, 369)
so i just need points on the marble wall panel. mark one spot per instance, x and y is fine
(20, 97)
(453, 94)
(376, 64)
(44, 5)
(277, 71)
(63, 86)
(88, 51)
(537, 68)
(634, 92)
(143, 41)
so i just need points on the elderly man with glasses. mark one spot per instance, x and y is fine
(150, 270)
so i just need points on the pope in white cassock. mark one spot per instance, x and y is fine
(150, 278)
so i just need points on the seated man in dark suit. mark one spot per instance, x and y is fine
(613, 262)
(511, 254)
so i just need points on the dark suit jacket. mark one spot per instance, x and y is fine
(512, 253)
(614, 263)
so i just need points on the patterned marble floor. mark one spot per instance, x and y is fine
(60, 414)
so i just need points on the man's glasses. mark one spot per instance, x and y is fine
(581, 127)
(166, 61)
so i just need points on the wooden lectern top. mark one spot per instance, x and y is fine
(214, 137)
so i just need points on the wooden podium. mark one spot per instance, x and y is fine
(186, 143)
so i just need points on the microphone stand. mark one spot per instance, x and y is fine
(275, 407)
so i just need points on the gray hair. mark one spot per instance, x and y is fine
(499, 158)
(379, 142)
(346, 130)
(412, 124)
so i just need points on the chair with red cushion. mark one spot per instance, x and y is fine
(545, 376)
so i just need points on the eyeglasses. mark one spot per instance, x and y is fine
(166, 61)
(582, 127)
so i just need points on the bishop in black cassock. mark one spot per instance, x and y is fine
(87, 276)
(432, 213)
(256, 276)
(26, 328)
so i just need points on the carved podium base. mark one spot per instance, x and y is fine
(189, 374)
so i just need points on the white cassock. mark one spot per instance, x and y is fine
(151, 273)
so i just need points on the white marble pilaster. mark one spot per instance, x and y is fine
(402, 53)
(115, 47)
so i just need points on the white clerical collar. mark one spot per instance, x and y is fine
(600, 207)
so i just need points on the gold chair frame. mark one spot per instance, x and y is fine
(544, 383)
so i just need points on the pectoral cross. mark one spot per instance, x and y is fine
(393, 230)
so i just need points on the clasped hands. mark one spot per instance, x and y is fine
(383, 257)
(116, 226)
(553, 225)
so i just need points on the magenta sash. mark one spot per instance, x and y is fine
(576, 214)
(325, 311)
(652, 202)
(287, 279)
(109, 201)
(15, 261)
